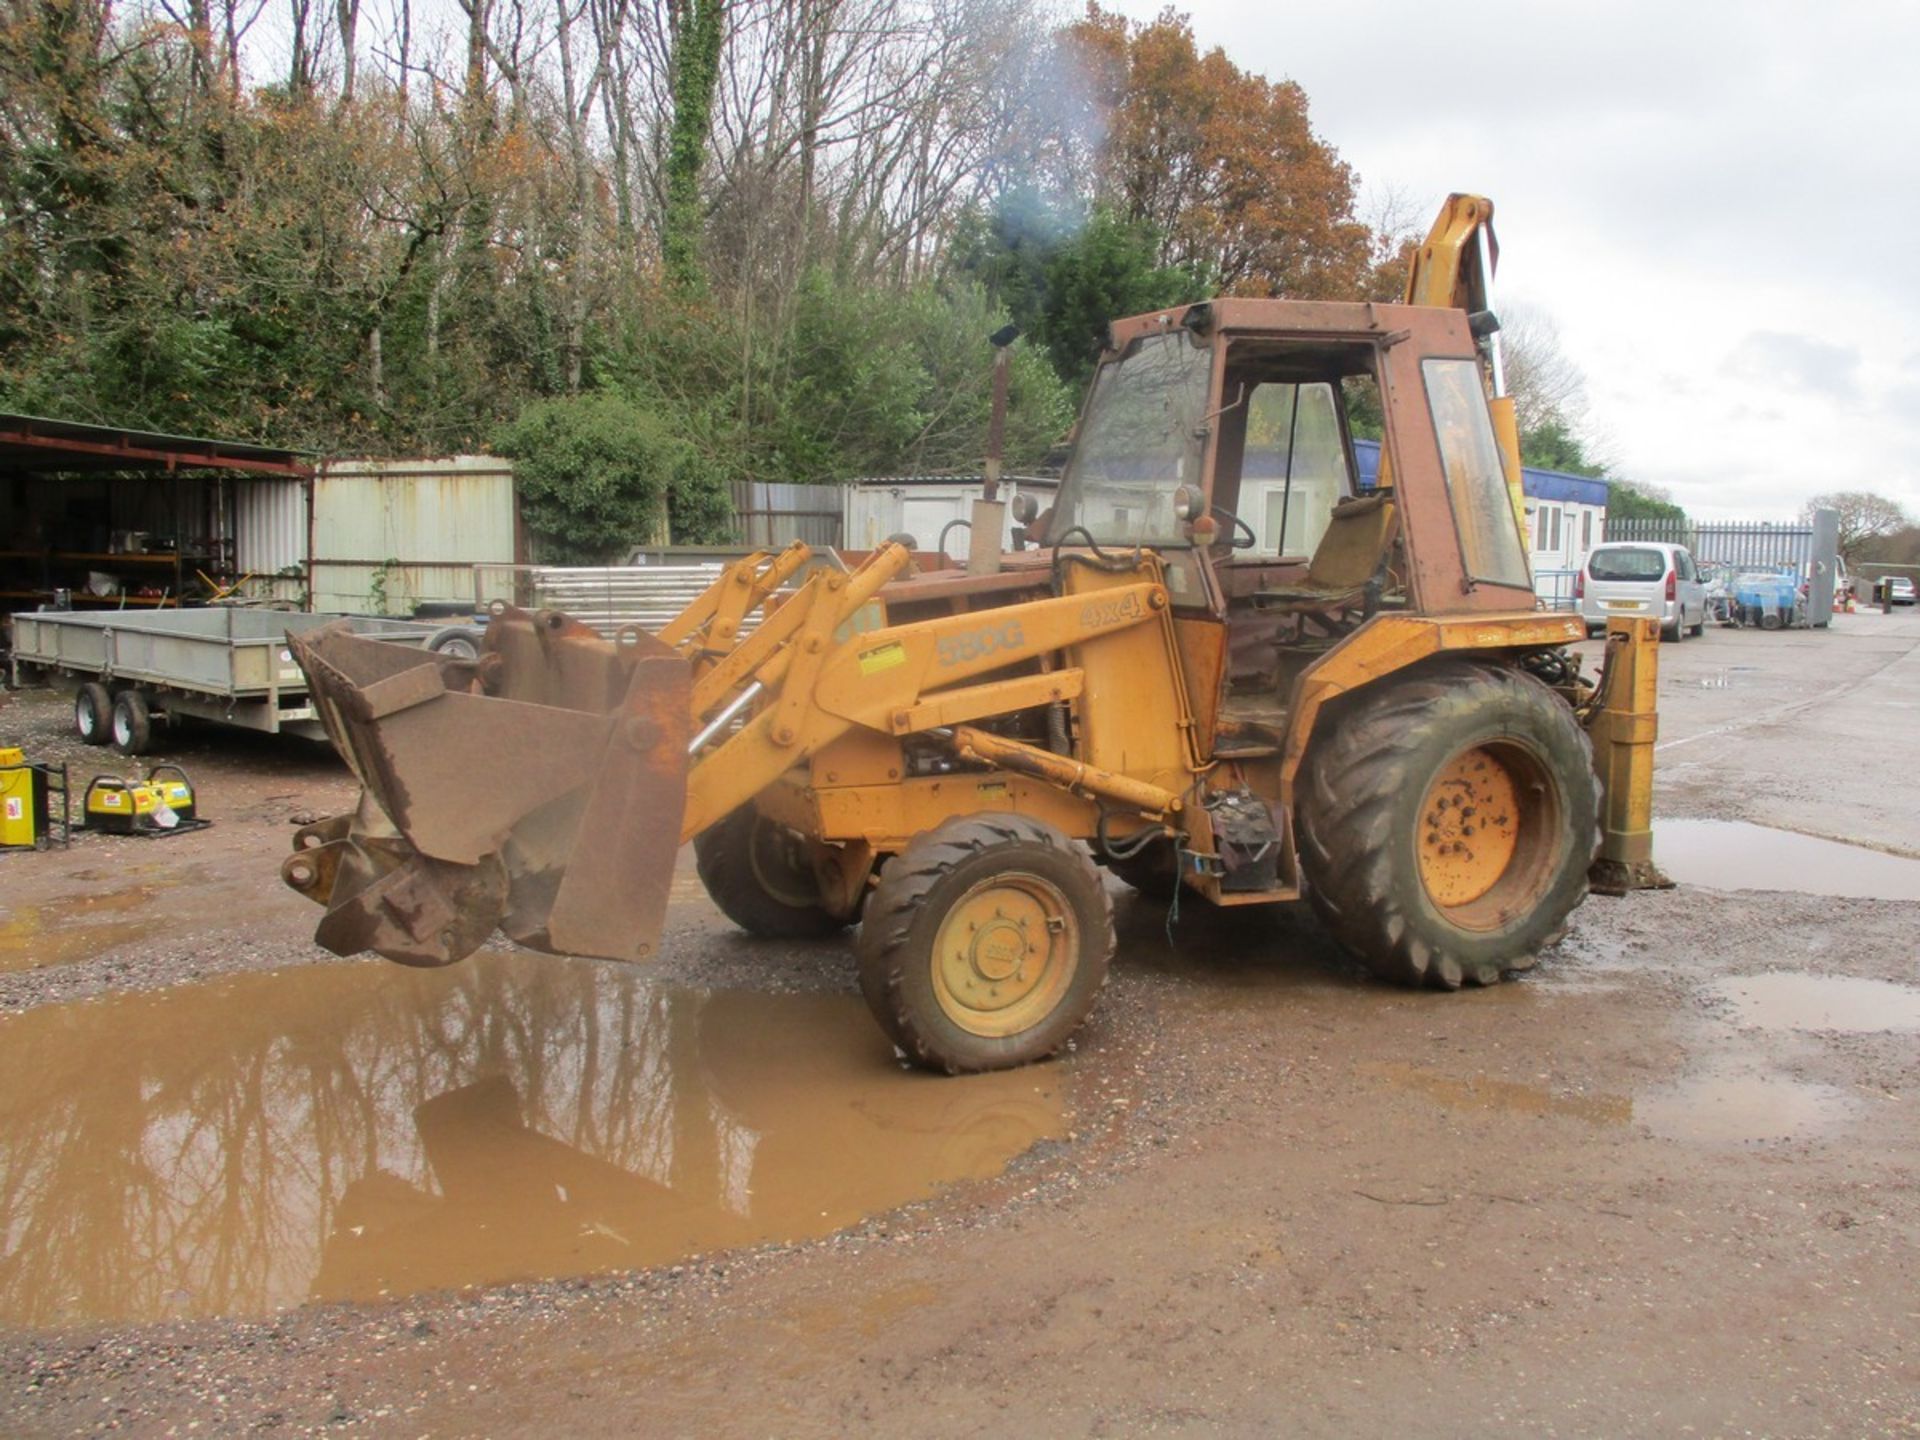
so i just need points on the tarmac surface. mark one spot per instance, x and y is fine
(1663, 1184)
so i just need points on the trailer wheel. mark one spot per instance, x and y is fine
(985, 943)
(457, 642)
(93, 713)
(1446, 823)
(757, 872)
(132, 724)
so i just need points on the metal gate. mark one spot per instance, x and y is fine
(1813, 549)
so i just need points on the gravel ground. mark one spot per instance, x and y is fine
(1606, 1199)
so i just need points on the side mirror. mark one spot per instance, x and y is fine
(1025, 508)
(1186, 503)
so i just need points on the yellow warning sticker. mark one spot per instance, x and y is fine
(872, 662)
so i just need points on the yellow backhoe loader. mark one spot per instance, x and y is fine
(1219, 664)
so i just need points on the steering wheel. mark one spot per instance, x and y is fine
(1235, 528)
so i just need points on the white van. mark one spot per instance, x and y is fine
(1634, 577)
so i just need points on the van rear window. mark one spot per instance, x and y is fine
(1628, 563)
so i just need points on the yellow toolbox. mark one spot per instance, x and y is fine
(161, 804)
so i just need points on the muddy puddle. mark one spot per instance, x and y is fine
(360, 1131)
(62, 932)
(1728, 1107)
(1733, 855)
(1793, 1000)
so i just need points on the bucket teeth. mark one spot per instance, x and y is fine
(538, 790)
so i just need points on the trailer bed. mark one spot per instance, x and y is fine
(223, 664)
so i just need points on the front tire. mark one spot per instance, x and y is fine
(757, 872)
(985, 943)
(1447, 821)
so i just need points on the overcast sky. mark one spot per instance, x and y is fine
(1718, 203)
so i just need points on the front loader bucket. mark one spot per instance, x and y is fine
(537, 790)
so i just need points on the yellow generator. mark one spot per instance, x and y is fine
(27, 820)
(161, 804)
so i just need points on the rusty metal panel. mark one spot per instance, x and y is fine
(768, 514)
(389, 534)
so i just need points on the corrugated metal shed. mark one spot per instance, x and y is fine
(270, 537)
(390, 534)
(768, 514)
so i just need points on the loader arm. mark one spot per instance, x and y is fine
(545, 788)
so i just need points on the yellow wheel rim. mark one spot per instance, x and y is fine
(1470, 826)
(1005, 955)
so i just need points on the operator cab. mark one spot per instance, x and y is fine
(1221, 437)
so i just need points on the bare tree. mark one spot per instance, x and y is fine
(1864, 518)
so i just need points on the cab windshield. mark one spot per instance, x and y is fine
(1140, 439)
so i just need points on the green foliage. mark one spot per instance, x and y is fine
(859, 380)
(881, 382)
(1063, 274)
(378, 596)
(417, 270)
(597, 473)
(696, 71)
(1627, 501)
(1553, 445)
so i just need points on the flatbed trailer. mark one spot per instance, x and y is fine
(225, 664)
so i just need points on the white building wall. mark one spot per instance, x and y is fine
(1559, 535)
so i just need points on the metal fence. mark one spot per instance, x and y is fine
(770, 514)
(1555, 588)
(604, 597)
(1728, 542)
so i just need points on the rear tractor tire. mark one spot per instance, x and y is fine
(1446, 823)
(758, 873)
(985, 943)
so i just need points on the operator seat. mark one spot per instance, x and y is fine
(1350, 555)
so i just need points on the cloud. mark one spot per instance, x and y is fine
(1717, 204)
(1795, 362)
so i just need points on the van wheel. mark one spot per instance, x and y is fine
(1447, 821)
(93, 713)
(985, 943)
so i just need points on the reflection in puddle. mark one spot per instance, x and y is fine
(60, 932)
(1728, 1108)
(1791, 1000)
(1479, 1093)
(351, 1131)
(1732, 855)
